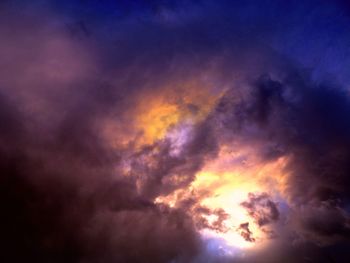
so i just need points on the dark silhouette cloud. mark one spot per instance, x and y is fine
(261, 208)
(245, 232)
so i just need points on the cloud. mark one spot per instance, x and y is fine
(261, 208)
(70, 194)
(245, 232)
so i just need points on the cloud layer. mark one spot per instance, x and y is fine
(105, 109)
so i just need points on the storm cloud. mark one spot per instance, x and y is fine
(81, 173)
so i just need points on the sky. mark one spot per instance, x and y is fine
(198, 131)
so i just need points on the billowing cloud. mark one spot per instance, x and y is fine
(195, 131)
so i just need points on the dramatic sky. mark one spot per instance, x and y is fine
(189, 131)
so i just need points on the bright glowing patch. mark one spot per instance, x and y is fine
(222, 186)
(228, 192)
(185, 103)
(155, 122)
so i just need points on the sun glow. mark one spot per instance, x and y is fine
(223, 185)
(227, 193)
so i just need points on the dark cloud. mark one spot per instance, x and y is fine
(261, 208)
(324, 223)
(63, 198)
(245, 232)
(159, 172)
(62, 202)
